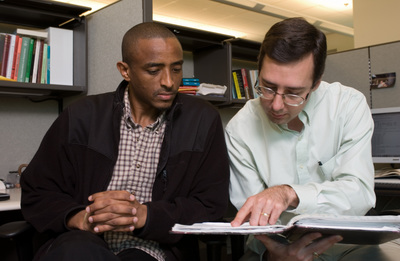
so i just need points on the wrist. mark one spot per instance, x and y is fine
(292, 196)
(142, 216)
(79, 220)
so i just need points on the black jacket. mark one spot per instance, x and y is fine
(77, 156)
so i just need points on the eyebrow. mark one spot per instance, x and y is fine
(291, 88)
(151, 64)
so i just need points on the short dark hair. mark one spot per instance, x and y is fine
(145, 30)
(292, 39)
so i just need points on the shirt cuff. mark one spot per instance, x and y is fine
(307, 195)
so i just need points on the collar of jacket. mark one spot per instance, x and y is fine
(119, 102)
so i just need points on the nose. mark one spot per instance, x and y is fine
(166, 79)
(277, 102)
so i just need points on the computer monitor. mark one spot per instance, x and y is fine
(386, 137)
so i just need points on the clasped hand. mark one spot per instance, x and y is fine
(112, 211)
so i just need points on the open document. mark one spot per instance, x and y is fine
(369, 230)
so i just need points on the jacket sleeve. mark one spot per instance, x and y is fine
(193, 187)
(62, 174)
(47, 181)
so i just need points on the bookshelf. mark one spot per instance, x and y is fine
(40, 15)
(213, 58)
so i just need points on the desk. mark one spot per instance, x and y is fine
(14, 202)
(387, 187)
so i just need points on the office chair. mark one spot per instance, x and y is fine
(21, 233)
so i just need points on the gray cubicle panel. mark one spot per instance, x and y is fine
(385, 58)
(349, 68)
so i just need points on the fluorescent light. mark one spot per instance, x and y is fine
(94, 4)
(200, 26)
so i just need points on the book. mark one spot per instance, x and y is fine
(61, 55)
(32, 33)
(238, 81)
(369, 230)
(48, 65)
(17, 51)
(29, 60)
(40, 62)
(4, 63)
(11, 52)
(18, 59)
(253, 79)
(234, 95)
(246, 85)
(23, 59)
(190, 92)
(36, 57)
(188, 88)
(2, 40)
(191, 81)
(43, 78)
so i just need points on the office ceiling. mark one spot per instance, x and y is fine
(252, 18)
(248, 19)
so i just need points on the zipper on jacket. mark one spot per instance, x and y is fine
(164, 179)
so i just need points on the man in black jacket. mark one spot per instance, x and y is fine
(116, 171)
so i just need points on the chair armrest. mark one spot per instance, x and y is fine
(14, 229)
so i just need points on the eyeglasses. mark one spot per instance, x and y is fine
(288, 99)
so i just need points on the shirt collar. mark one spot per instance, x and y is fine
(130, 123)
(314, 98)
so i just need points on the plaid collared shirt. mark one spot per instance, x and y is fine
(135, 171)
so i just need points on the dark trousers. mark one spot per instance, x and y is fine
(79, 245)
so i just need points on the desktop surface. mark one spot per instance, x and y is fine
(14, 202)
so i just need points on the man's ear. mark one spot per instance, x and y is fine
(124, 70)
(316, 85)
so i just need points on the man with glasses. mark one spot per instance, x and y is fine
(303, 147)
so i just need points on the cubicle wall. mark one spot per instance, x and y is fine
(354, 68)
(386, 59)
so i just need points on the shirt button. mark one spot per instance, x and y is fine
(138, 165)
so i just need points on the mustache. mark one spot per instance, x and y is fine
(165, 92)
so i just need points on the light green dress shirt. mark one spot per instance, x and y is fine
(328, 163)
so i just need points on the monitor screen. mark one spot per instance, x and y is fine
(386, 137)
